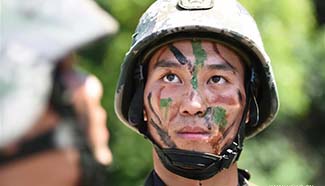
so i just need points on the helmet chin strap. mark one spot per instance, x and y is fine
(198, 165)
(191, 164)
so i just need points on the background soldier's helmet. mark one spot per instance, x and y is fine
(224, 21)
(35, 34)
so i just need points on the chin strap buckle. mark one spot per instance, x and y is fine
(230, 156)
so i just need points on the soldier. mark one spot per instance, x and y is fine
(196, 82)
(52, 125)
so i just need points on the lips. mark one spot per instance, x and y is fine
(193, 133)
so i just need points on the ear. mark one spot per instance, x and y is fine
(145, 117)
(247, 119)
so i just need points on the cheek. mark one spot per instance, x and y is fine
(223, 98)
(170, 99)
(231, 100)
(161, 102)
(151, 100)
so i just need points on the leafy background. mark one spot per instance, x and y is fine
(292, 150)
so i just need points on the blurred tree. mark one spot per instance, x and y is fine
(320, 13)
(292, 150)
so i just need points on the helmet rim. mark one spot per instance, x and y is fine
(145, 40)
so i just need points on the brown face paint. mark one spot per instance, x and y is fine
(151, 108)
(165, 104)
(215, 143)
(217, 116)
(200, 57)
(163, 135)
(178, 54)
(229, 100)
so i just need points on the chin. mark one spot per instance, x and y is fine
(194, 145)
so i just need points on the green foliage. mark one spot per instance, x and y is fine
(274, 161)
(285, 27)
(276, 156)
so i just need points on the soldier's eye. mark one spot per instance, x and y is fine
(171, 78)
(217, 79)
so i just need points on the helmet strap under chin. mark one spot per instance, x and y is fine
(198, 165)
(191, 164)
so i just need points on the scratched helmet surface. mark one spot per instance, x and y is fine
(224, 21)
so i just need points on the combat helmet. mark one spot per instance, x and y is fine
(35, 34)
(223, 21)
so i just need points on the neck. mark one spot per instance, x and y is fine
(227, 177)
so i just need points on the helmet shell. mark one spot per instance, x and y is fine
(224, 21)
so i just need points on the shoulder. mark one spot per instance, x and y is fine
(153, 180)
(243, 177)
(149, 180)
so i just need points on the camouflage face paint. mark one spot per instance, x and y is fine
(163, 135)
(178, 54)
(226, 132)
(200, 57)
(219, 116)
(215, 143)
(151, 108)
(208, 117)
(240, 96)
(165, 104)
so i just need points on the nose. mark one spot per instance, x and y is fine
(193, 105)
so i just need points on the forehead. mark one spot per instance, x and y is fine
(214, 52)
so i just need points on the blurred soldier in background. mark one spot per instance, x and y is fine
(52, 125)
(195, 82)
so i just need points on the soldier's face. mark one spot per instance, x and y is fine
(194, 96)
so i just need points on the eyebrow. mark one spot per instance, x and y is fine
(165, 63)
(225, 67)
(216, 50)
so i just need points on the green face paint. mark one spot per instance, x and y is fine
(200, 57)
(165, 103)
(219, 116)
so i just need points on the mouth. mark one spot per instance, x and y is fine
(193, 133)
